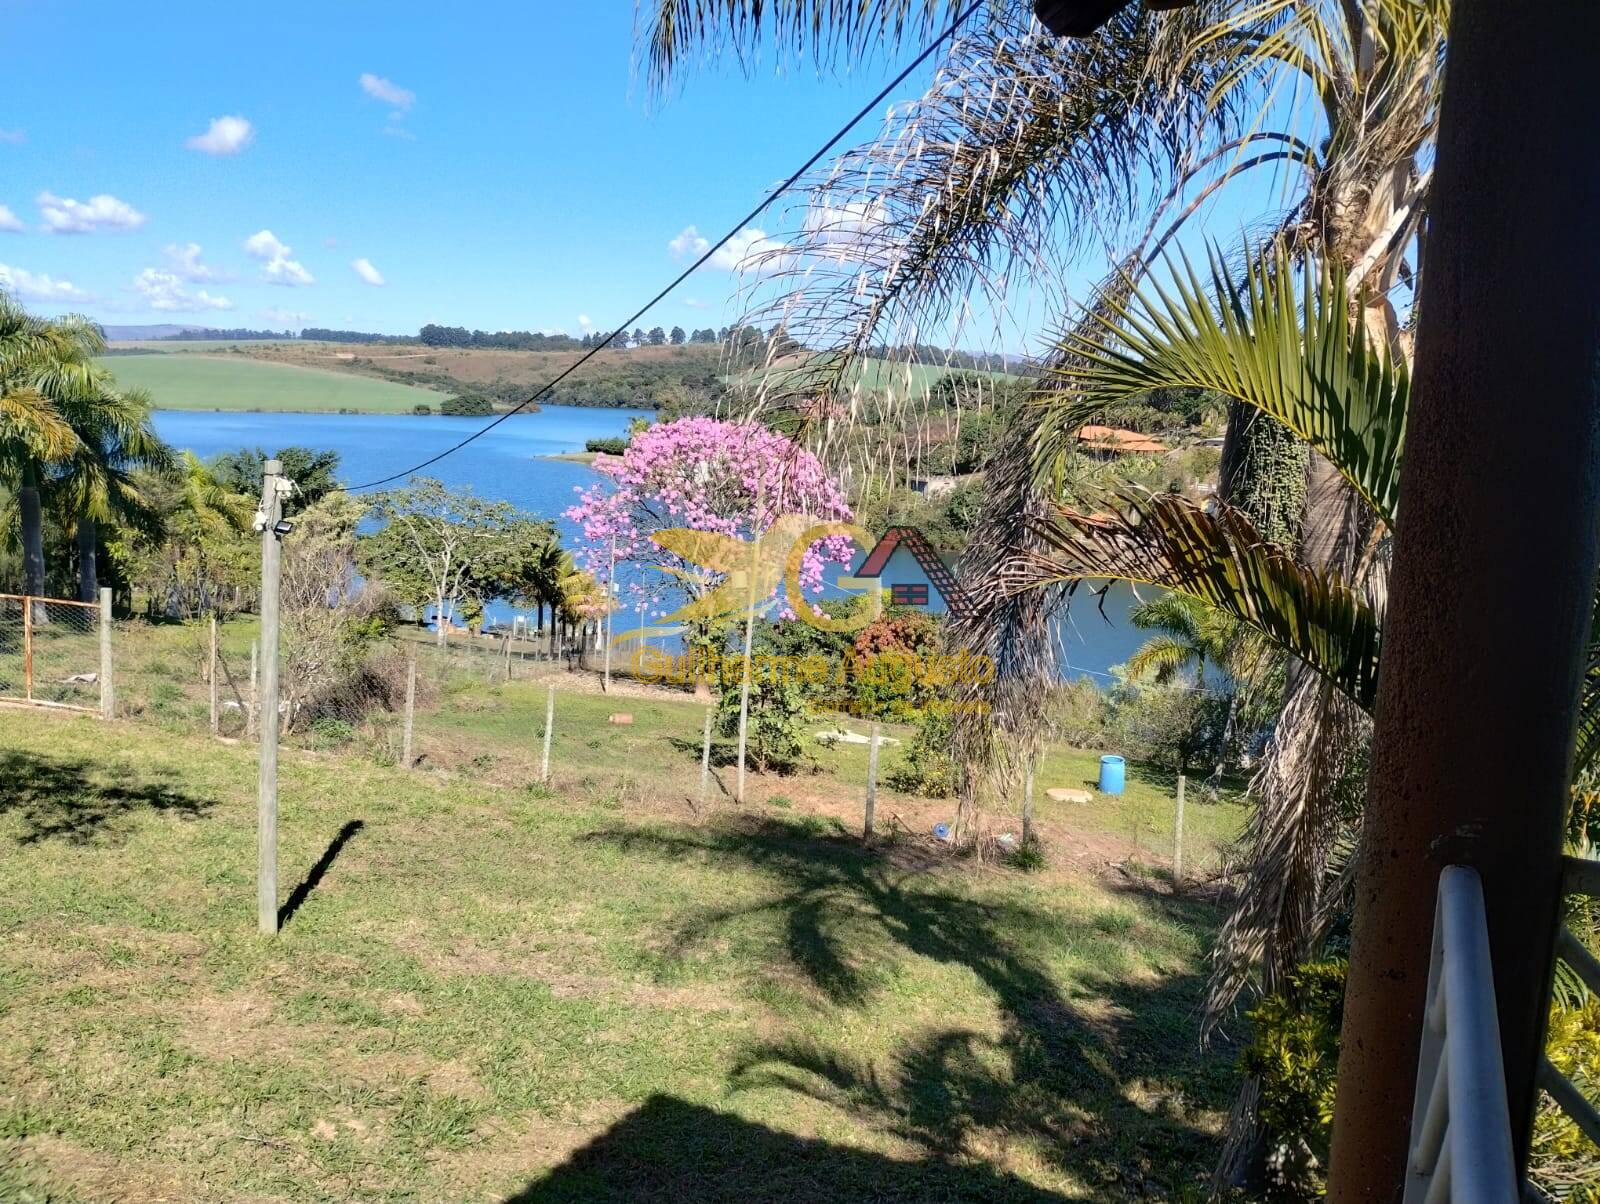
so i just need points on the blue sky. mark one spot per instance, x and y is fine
(501, 166)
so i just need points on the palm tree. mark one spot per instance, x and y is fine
(43, 363)
(1026, 153)
(97, 483)
(204, 516)
(1191, 635)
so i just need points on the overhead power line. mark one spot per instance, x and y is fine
(711, 250)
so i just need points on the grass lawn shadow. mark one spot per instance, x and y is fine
(1099, 1069)
(72, 799)
(670, 1151)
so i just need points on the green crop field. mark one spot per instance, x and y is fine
(179, 346)
(215, 382)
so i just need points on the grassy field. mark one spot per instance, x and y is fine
(488, 989)
(235, 382)
(178, 346)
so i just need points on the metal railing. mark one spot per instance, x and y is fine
(1461, 1127)
(1461, 1149)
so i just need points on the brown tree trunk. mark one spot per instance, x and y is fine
(1494, 565)
(88, 570)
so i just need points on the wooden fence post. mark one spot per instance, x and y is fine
(211, 673)
(1177, 839)
(1027, 807)
(549, 727)
(108, 697)
(254, 704)
(705, 759)
(27, 648)
(410, 711)
(872, 783)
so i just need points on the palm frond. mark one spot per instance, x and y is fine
(1318, 374)
(32, 425)
(673, 33)
(1162, 657)
(1218, 557)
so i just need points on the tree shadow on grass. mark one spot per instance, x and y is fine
(675, 1152)
(1097, 1070)
(61, 798)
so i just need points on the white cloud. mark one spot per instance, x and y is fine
(16, 137)
(30, 286)
(287, 317)
(397, 131)
(226, 136)
(63, 215)
(9, 221)
(750, 250)
(584, 323)
(184, 260)
(277, 267)
(696, 303)
(846, 230)
(386, 90)
(364, 269)
(687, 244)
(164, 291)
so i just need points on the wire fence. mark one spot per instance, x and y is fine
(349, 694)
(50, 652)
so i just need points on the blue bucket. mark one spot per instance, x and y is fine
(1113, 771)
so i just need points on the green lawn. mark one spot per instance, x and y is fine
(234, 382)
(491, 990)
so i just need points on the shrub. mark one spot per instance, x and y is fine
(1170, 726)
(1295, 1053)
(467, 406)
(1077, 713)
(777, 717)
(928, 767)
(328, 732)
(1562, 1159)
(613, 446)
(422, 407)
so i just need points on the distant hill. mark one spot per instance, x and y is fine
(124, 334)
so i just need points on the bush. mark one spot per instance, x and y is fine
(1562, 1160)
(929, 768)
(1170, 726)
(328, 732)
(467, 406)
(1295, 1054)
(777, 717)
(1077, 713)
(613, 446)
(422, 407)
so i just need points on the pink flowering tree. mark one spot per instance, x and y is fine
(725, 478)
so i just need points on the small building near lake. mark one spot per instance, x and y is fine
(913, 572)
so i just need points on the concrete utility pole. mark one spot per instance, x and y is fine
(211, 673)
(268, 520)
(108, 695)
(1495, 550)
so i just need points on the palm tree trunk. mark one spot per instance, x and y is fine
(32, 534)
(88, 568)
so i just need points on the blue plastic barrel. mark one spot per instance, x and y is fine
(1112, 772)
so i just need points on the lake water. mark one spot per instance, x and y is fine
(505, 464)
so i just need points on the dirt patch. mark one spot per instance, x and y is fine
(99, 1177)
(244, 1026)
